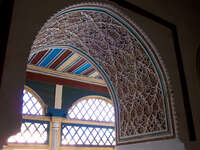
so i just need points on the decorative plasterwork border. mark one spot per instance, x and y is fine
(152, 54)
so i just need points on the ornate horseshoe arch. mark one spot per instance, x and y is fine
(126, 59)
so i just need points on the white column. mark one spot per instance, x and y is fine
(55, 135)
(55, 123)
(58, 97)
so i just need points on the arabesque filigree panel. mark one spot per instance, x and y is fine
(139, 86)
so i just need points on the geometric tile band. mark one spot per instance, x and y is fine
(137, 77)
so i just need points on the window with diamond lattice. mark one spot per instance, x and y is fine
(31, 105)
(87, 135)
(32, 131)
(92, 109)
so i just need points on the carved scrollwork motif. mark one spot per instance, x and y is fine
(122, 57)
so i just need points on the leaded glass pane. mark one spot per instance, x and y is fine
(92, 109)
(31, 105)
(86, 135)
(32, 132)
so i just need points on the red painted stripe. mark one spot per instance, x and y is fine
(89, 71)
(38, 57)
(76, 65)
(60, 59)
(66, 82)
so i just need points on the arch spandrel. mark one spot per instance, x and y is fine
(138, 80)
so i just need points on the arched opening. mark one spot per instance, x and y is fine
(127, 62)
(125, 58)
(52, 120)
(32, 103)
(92, 108)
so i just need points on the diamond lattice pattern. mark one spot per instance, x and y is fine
(31, 105)
(31, 133)
(87, 135)
(92, 109)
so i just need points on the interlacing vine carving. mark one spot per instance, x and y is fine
(122, 57)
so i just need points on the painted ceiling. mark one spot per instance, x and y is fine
(64, 60)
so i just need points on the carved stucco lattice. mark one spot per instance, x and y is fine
(131, 71)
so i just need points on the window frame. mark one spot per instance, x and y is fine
(34, 119)
(39, 99)
(86, 98)
(80, 122)
(61, 121)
